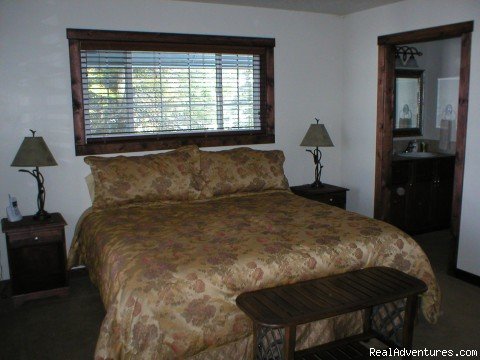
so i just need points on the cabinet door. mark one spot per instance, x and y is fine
(421, 194)
(401, 172)
(419, 197)
(443, 208)
(442, 205)
(398, 203)
(398, 193)
(418, 217)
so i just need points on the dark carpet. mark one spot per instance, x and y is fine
(459, 325)
(53, 328)
(67, 328)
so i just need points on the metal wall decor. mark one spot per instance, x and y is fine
(405, 56)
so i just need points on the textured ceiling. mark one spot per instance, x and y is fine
(337, 7)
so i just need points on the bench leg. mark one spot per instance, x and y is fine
(409, 322)
(367, 320)
(273, 343)
(289, 342)
(256, 350)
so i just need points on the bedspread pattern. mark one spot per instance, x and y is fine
(169, 274)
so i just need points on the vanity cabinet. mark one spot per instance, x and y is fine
(421, 194)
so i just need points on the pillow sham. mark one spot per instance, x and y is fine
(132, 179)
(241, 170)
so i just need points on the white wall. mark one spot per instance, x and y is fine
(360, 96)
(35, 83)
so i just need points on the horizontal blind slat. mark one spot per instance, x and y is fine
(159, 132)
(139, 92)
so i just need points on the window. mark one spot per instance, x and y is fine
(143, 91)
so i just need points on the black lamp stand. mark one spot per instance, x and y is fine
(41, 213)
(317, 156)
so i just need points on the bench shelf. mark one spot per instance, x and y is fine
(350, 348)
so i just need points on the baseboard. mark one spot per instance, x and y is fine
(467, 277)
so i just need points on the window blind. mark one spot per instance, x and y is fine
(132, 93)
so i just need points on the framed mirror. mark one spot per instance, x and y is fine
(408, 102)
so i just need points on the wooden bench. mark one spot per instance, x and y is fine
(388, 296)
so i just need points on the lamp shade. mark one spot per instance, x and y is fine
(33, 152)
(317, 136)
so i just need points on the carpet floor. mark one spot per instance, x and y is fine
(67, 328)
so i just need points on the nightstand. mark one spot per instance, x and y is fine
(36, 257)
(328, 194)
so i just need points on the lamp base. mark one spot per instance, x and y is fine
(317, 156)
(41, 215)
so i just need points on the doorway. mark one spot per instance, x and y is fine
(385, 116)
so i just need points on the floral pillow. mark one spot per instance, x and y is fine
(128, 179)
(241, 170)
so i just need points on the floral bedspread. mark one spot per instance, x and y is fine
(168, 274)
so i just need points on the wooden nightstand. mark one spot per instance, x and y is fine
(328, 194)
(36, 257)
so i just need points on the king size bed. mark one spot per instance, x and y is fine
(170, 257)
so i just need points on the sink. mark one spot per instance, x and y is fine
(418, 154)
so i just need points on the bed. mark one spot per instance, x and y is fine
(169, 269)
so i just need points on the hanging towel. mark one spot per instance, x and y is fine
(445, 134)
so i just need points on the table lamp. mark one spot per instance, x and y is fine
(34, 152)
(317, 136)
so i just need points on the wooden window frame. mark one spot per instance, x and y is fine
(81, 39)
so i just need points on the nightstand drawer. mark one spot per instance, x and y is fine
(335, 199)
(36, 237)
(327, 194)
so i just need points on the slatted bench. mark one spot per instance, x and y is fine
(388, 296)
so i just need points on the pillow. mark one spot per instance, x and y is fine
(241, 170)
(124, 180)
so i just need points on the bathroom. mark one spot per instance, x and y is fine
(424, 135)
(440, 62)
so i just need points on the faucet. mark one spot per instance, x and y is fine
(411, 147)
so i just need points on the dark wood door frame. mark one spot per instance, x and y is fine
(385, 106)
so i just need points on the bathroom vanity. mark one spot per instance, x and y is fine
(421, 191)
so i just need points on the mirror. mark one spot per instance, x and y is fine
(408, 102)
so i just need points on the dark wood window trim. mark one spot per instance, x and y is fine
(80, 39)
